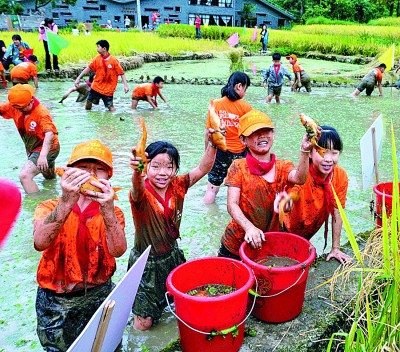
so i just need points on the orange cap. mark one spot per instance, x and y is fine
(21, 95)
(253, 121)
(293, 56)
(93, 149)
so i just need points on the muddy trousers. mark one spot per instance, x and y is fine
(62, 317)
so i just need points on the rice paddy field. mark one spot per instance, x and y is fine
(183, 125)
(178, 38)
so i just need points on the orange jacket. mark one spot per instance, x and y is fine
(59, 268)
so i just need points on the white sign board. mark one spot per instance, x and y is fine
(123, 295)
(367, 151)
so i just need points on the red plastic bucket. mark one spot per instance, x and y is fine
(281, 289)
(379, 190)
(207, 314)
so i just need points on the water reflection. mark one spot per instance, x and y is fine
(183, 125)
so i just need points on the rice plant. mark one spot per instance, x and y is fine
(236, 58)
(376, 314)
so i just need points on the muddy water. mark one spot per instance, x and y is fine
(182, 124)
(277, 262)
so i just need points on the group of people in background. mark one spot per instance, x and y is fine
(20, 55)
(81, 233)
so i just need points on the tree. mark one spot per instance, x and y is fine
(247, 14)
(41, 3)
(11, 7)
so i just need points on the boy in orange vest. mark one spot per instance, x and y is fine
(148, 91)
(79, 235)
(301, 78)
(107, 69)
(38, 132)
(25, 71)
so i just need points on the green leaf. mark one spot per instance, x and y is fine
(349, 231)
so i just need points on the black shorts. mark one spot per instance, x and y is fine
(221, 165)
(94, 98)
(275, 91)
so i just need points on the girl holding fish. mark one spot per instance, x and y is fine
(156, 199)
(254, 182)
(316, 202)
(229, 109)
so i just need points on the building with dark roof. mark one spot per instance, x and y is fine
(212, 12)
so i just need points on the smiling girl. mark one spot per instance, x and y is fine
(157, 201)
(316, 202)
(253, 183)
(229, 108)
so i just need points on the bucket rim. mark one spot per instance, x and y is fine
(380, 193)
(303, 265)
(245, 288)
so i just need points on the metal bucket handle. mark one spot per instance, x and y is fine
(256, 295)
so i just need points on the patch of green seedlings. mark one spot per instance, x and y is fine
(211, 290)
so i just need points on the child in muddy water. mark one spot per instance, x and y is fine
(79, 235)
(274, 78)
(316, 202)
(83, 90)
(107, 69)
(253, 183)
(156, 199)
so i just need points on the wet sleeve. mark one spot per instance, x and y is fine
(120, 217)
(233, 178)
(47, 124)
(120, 71)
(44, 209)
(5, 111)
